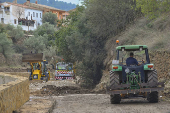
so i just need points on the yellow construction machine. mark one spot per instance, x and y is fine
(38, 66)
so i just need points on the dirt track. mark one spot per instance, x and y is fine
(73, 99)
(100, 103)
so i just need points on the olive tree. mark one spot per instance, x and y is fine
(49, 17)
(5, 45)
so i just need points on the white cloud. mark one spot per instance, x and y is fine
(72, 1)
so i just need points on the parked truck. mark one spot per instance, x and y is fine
(64, 71)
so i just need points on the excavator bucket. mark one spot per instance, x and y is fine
(32, 57)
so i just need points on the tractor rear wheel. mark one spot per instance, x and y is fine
(152, 76)
(114, 78)
(153, 97)
(115, 99)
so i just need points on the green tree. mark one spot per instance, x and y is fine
(62, 42)
(109, 17)
(153, 8)
(2, 28)
(5, 45)
(37, 44)
(50, 17)
(85, 35)
(46, 28)
(49, 52)
(83, 47)
(15, 33)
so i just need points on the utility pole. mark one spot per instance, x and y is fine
(28, 27)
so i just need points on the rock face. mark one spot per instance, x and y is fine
(161, 61)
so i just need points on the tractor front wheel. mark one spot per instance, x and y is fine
(115, 99)
(153, 97)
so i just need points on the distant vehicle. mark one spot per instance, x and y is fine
(38, 66)
(64, 71)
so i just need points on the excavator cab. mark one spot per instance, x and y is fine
(38, 66)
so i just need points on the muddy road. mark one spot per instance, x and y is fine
(99, 103)
(70, 98)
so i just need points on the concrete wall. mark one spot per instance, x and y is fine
(14, 93)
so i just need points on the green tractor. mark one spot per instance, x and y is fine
(130, 81)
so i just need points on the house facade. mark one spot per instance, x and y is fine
(65, 15)
(28, 18)
(45, 9)
(7, 15)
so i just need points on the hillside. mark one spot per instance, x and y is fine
(155, 34)
(53, 3)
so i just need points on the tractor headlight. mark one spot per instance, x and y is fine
(35, 76)
(127, 70)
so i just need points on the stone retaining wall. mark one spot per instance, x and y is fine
(13, 94)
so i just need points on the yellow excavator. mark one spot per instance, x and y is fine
(38, 66)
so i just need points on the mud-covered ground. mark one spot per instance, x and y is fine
(58, 88)
(13, 69)
(100, 103)
(70, 98)
(51, 90)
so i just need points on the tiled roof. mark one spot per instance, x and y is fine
(24, 6)
(44, 6)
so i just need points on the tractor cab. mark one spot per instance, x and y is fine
(39, 70)
(140, 53)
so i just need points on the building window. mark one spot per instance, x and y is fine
(33, 14)
(26, 22)
(37, 15)
(7, 9)
(28, 13)
(15, 21)
(40, 15)
(2, 20)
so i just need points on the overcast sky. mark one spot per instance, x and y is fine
(72, 1)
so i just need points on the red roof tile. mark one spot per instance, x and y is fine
(24, 6)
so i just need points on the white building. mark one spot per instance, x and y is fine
(28, 18)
